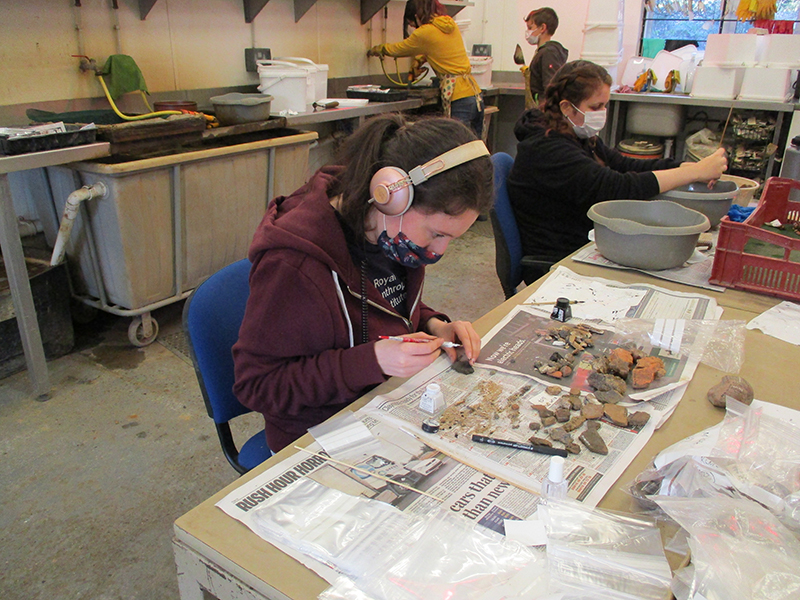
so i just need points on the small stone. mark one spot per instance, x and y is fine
(534, 426)
(647, 370)
(559, 435)
(566, 370)
(574, 423)
(574, 402)
(537, 441)
(575, 391)
(617, 414)
(592, 411)
(547, 421)
(573, 448)
(603, 382)
(592, 440)
(638, 419)
(731, 386)
(543, 411)
(609, 396)
(595, 425)
(562, 415)
(553, 390)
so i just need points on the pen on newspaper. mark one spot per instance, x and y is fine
(397, 338)
(520, 446)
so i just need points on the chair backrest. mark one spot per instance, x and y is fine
(508, 247)
(211, 319)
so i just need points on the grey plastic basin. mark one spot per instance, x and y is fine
(646, 234)
(236, 108)
(713, 203)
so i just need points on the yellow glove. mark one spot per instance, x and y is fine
(375, 50)
(416, 68)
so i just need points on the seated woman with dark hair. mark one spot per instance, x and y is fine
(562, 167)
(341, 262)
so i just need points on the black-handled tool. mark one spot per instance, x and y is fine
(482, 439)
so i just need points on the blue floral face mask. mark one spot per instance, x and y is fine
(401, 249)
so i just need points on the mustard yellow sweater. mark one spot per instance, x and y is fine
(441, 44)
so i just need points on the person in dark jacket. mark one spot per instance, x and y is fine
(562, 167)
(550, 55)
(333, 269)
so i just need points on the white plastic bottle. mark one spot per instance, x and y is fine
(555, 487)
(432, 400)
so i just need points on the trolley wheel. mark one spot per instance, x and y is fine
(136, 332)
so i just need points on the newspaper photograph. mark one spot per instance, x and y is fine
(509, 406)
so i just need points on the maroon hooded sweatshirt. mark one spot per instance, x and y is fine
(299, 358)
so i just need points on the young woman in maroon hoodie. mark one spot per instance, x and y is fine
(333, 270)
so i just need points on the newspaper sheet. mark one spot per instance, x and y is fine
(695, 272)
(404, 459)
(501, 405)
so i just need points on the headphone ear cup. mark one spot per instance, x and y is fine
(392, 203)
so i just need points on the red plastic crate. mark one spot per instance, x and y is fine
(735, 268)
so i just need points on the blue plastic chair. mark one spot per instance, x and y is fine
(510, 264)
(212, 316)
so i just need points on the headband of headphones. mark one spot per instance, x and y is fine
(392, 189)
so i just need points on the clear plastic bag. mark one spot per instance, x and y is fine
(604, 553)
(386, 554)
(739, 550)
(764, 455)
(717, 343)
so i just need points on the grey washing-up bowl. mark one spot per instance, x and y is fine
(646, 234)
(236, 108)
(713, 203)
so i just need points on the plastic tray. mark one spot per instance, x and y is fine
(73, 136)
(388, 96)
(735, 263)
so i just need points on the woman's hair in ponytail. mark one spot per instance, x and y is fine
(392, 140)
(575, 82)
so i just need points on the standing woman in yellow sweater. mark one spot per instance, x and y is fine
(437, 41)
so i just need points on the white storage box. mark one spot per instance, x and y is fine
(291, 87)
(482, 70)
(318, 72)
(599, 38)
(609, 61)
(733, 50)
(717, 82)
(605, 11)
(660, 120)
(663, 63)
(762, 83)
(781, 50)
(635, 67)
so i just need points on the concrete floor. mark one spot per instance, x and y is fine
(93, 478)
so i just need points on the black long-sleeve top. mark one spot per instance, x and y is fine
(557, 177)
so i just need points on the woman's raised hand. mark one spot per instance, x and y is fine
(712, 166)
(404, 359)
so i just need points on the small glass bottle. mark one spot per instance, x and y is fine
(561, 311)
(555, 487)
(432, 400)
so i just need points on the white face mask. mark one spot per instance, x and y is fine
(593, 122)
(533, 38)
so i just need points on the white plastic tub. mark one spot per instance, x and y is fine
(660, 120)
(605, 11)
(664, 63)
(318, 73)
(733, 50)
(482, 70)
(781, 50)
(763, 83)
(717, 82)
(291, 87)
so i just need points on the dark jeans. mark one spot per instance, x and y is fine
(466, 111)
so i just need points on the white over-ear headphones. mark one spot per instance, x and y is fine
(392, 189)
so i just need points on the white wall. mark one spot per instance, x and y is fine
(196, 44)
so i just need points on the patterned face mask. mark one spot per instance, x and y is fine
(403, 250)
